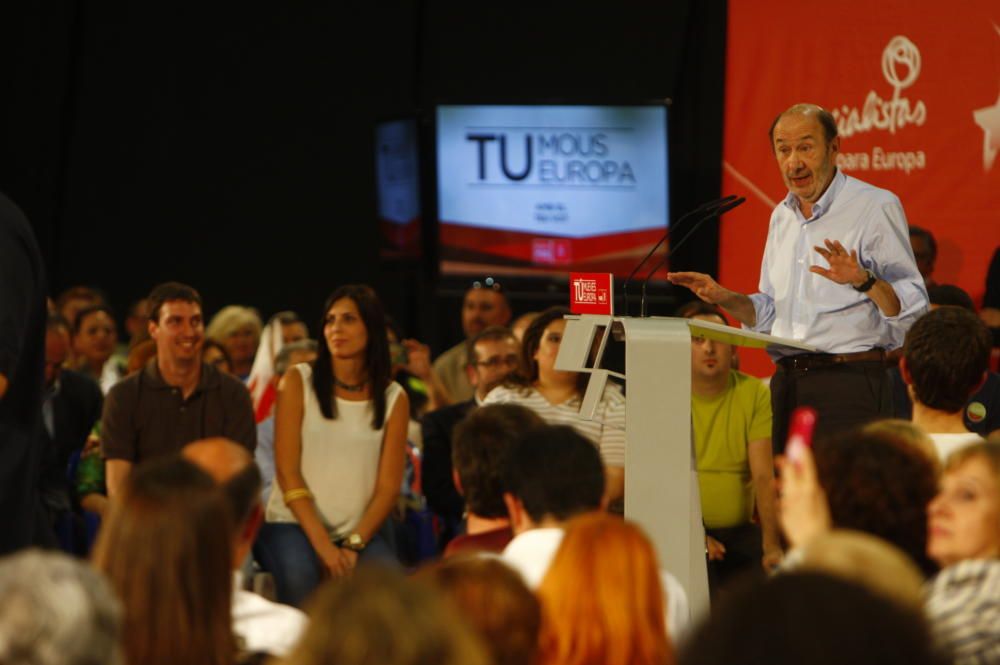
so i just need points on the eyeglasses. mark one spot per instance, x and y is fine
(510, 360)
(488, 283)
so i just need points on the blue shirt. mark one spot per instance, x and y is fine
(797, 304)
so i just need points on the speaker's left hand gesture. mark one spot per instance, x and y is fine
(844, 267)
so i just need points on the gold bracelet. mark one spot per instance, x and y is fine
(295, 494)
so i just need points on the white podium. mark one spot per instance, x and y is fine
(661, 482)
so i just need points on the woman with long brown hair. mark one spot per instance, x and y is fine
(339, 452)
(602, 598)
(165, 549)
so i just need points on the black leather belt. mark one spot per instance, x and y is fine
(807, 361)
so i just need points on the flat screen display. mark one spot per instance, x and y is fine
(397, 178)
(550, 189)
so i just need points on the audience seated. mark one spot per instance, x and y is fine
(291, 354)
(552, 475)
(981, 411)
(95, 336)
(602, 599)
(865, 560)
(879, 485)
(237, 329)
(491, 356)
(521, 324)
(72, 300)
(924, 251)
(214, 354)
(810, 618)
(906, 432)
(70, 408)
(484, 305)
(493, 599)
(377, 617)
(963, 601)
(557, 396)
(945, 360)
(176, 399)
(482, 443)
(331, 501)
(166, 548)
(262, 625)
(731, 423)
(56, 611)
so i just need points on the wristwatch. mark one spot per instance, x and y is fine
(353, 542)
(868, 283)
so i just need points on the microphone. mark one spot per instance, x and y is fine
(717, 212)
(717, 203)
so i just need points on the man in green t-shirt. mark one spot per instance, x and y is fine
(731, 419)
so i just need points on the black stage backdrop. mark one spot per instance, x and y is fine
(230, 145)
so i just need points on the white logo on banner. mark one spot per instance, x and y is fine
(901, 68)
(988, 120)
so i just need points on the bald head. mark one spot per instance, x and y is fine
(232, 467)
(218, 457)
(822, 116)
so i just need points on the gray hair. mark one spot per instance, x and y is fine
(285, 354)
(56, 610)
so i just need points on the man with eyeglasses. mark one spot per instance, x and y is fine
(490, 357)
(484, 305)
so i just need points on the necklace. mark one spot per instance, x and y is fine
(354, 388)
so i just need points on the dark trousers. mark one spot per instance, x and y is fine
(744, 552)
(845, 396)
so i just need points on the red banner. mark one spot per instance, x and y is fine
(915, 87)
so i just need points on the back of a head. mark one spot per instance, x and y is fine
(479, 453)
(555, 472)
(56, 611)
(879, 485)
(946, 353)
(166, 548)
(810, 618)
(905, 432)
(949, 295)
(602, 597)
(494, 600)
(378, 617)
(869, 561)
(234, 470)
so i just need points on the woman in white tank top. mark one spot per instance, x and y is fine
(340, 436)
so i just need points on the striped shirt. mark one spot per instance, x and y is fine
(963, 606)
(606, 431)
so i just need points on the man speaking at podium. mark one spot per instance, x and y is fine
(838, 274)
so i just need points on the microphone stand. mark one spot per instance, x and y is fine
(711, 205)
(718, 212)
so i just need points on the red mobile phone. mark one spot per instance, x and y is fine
(800, 434)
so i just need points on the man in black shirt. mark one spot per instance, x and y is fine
(22, 358)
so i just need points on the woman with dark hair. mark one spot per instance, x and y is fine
(165, 549)
(95, 336)
(880, 485)
(340, 442)
(557, 395)
(602, 597)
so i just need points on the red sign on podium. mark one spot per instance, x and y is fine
(592, 293)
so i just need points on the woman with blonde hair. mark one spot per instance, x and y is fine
(602, 598)
(237, 329)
